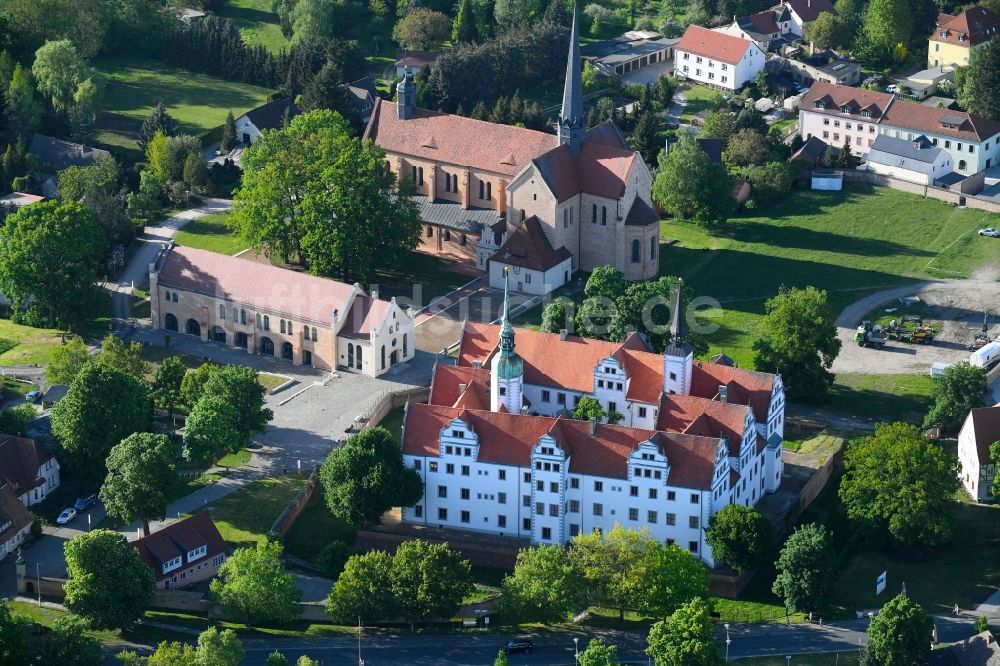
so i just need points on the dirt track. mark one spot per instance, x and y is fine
(958, 305)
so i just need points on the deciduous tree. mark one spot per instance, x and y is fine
(900, 633)
(886, 24)
(363, 589)
(366, 477)
(66, 361)
(598, 653)
(687, 638)
(589, 409)
(109, 586)
(59, 70)
(961, 388)
(68, 644)
(558, 315)
(98, 188)
(983, 82)
(127, 358)
(718, 125)
(614, 565)
(544, 586)
(805, 568)
(746, 147)
(429, 580)
(675, 577)
(253, 585)
(167, 384)
(898, 480)
(50, 257)
(798, 339)
(102, 407)
(210, 430)
(14, 632)
(740, 536)
(219, 648)
(159, 120)
(422, 29)
(24, 113)
(141, 473)
(691, 186)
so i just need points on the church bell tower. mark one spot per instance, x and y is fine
(572, 122)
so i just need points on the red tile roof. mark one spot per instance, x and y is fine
(856, 99)
(528, 247)
(508, 439)
(765, 22)
(715, 45)
(177, 539)
(12, 510)
(974, 26)
(700, 416)
(290, 293)
(986, 430)
(597, 169)
(809, 10)
(744, 387)
(446, 387)
(958, 124)
(20, 460)
(449, 139)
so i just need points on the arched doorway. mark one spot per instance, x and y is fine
(357, 357)
(350, 355)
(192, 328)
(241, 340)
(170, 322)
(218, 334)
(266, 347)
(286, 351)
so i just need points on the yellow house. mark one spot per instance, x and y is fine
(955, 37)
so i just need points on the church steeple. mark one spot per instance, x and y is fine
(572, 122)
(679, 355)
(507, 368)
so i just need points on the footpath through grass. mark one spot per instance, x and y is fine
(210, 233)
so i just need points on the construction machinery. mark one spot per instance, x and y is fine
(981, 338)
(911, 328)
(870, 335)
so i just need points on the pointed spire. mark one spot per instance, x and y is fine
(510, 364)
(678, 325)
(571, 119)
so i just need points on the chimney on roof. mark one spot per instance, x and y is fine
(723, 393)
(462, 387)
(374, 294)
(593, 426)
(563, 333)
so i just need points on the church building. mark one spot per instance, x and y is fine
(541, 205)
(499, 451)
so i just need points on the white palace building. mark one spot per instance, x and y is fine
(499, 453)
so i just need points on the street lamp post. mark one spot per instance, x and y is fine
(788, 659)
(361, 662)
(576, 650)
(728, 641)
(38, 581)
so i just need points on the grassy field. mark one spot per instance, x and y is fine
(826, 239)
(699, 98)
(24, 345)
(198, 102)
(245, 516)
(315, 528)
(210, 233)
(393, 422)
(257, 22)
(904, 397)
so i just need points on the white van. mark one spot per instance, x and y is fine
(986, 356)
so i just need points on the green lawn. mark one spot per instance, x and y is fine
(198, 102)
(393, 422)
(850, 243)
(210, 233)
(699, 98)
(257, 22)
(270, 381)
(45, 617)
(186, 485)
(315, 528)
(24, 345)
(245, 516)
(879, 397)
(238, 459)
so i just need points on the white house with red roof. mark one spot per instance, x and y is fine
(976, 466)
(183, 553)
(272, 311)
(28, 468)
(499, 452)
(717, 59)
(478, 183)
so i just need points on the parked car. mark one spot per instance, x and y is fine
(892, 88)
(518, 645)
(989, 231)
(66, 516)
(34, 397)
(85, 502)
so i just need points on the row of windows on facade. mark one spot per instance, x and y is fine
(217, 562)
(451, 183)
(193, 555)
(711, 63)
(263, 322)
(711, 75)
(574, 528)
(446, 235)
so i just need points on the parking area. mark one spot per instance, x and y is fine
(649, 73)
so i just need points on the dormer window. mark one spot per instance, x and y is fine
(866, 114)
(820, 104)
(170, 565)
(197, 553)
(844, 109)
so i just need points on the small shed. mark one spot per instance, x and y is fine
(827, 179)
(792, 103)
(764, 104)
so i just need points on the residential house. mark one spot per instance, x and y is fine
(588, 190)
(273, 115)
(273, 311)
(977, 467)
(717, 59)
(28, 469)
(498, 452)
(629, 52)
(56, 155)
(413, 61)
(955, 37)
(766, 29)
(917, 161)
(183, 553)
(839, 114)
(972, 141)
(363, 95)
(15, 521)
(802, 13)
(813, 151)
(16, 200)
